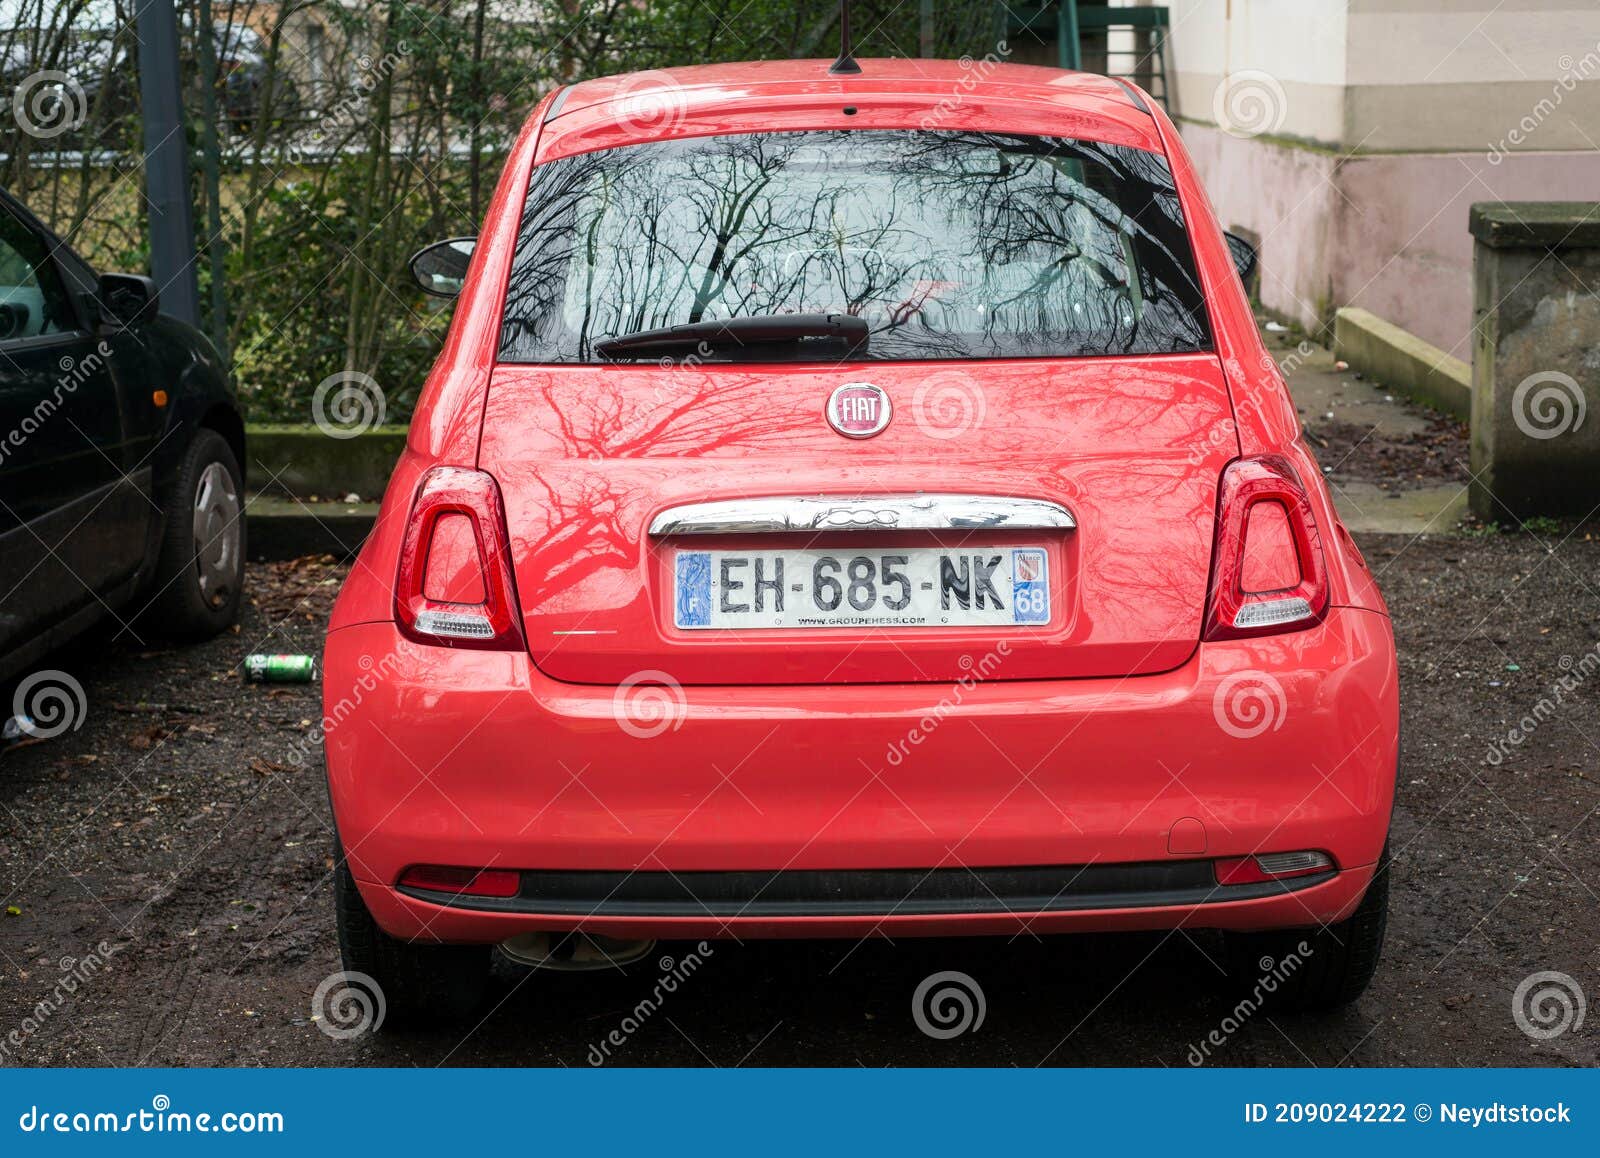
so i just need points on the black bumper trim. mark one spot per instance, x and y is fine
(867, 892)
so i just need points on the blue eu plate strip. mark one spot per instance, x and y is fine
(694, 589)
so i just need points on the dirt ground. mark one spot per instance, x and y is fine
(1437, 453)
(174, 829)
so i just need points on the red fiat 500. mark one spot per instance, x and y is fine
(851, 504)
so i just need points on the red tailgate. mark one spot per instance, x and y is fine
(587, 456)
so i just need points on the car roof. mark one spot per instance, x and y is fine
(788, 95)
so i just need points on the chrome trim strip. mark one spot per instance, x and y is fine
(921, 512)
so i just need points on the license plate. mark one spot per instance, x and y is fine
(902, 587)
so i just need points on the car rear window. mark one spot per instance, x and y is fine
(947, 244)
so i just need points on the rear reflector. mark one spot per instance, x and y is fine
(1271, 866)
(454, 571)
(462, 881)
(1268, 574)
(1271, 562)
(454, 585)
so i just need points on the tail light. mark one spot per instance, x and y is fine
(454, 587)
(1268, 574)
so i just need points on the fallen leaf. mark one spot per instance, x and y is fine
(150, 737)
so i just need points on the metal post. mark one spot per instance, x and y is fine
(1069, 51)
(166, 162)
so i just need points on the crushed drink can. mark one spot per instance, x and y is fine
(280, 669)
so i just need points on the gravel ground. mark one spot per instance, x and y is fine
(175, 829)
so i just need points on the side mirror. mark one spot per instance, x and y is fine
(1245, 259)
(441, 268)
(129, 298)
(13, 320)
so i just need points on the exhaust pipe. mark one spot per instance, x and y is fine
(574, 952)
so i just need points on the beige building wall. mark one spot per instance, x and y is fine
(1432, 75)
(1285, 58)
(1352, 135)
(1411, 75)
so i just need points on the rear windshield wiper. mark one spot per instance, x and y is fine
(843, 329)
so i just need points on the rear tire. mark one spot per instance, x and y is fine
(1334, 969)
(199, 577)
(421, 984)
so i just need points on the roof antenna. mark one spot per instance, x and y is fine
(846, 61)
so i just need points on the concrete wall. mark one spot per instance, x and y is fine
(1409, 258)
(1435, 75)
(1414, 75)
(304, 462)
(1536, 362)
(1387, 232)
(1352, 137)
(1286, 197)
(1401, 361)
(1299, 44)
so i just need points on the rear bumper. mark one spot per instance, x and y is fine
(476, 759)
(1323, 901)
